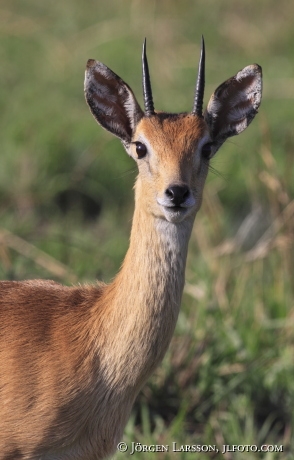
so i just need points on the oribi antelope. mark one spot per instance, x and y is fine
(74, 358)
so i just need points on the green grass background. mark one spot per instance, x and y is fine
(66, 200)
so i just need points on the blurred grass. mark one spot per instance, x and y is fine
(66, 191)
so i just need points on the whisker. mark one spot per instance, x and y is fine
(217, 173)
(128, 172)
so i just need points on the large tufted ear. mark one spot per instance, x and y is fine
(234, 104)
(111, 101)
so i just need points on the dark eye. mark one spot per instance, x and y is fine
(206, 150)
(141, 150)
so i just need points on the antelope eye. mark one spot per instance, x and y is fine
(206, 150)
(141, 149)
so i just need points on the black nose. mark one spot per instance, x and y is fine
(177, 194)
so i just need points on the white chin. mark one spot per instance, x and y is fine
(175, 215)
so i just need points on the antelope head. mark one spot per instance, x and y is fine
(172, 151)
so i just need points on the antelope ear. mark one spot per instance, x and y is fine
(234, 104)
(111, 101)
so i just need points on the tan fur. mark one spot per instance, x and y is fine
(73, 359)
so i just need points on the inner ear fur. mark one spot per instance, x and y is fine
(234, 104)
(111, 101)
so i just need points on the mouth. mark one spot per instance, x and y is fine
(174, 213)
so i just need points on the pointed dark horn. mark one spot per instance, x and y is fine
(200, 84)
(147, 93)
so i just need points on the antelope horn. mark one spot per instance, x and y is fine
(147, 92)
(199, 89)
